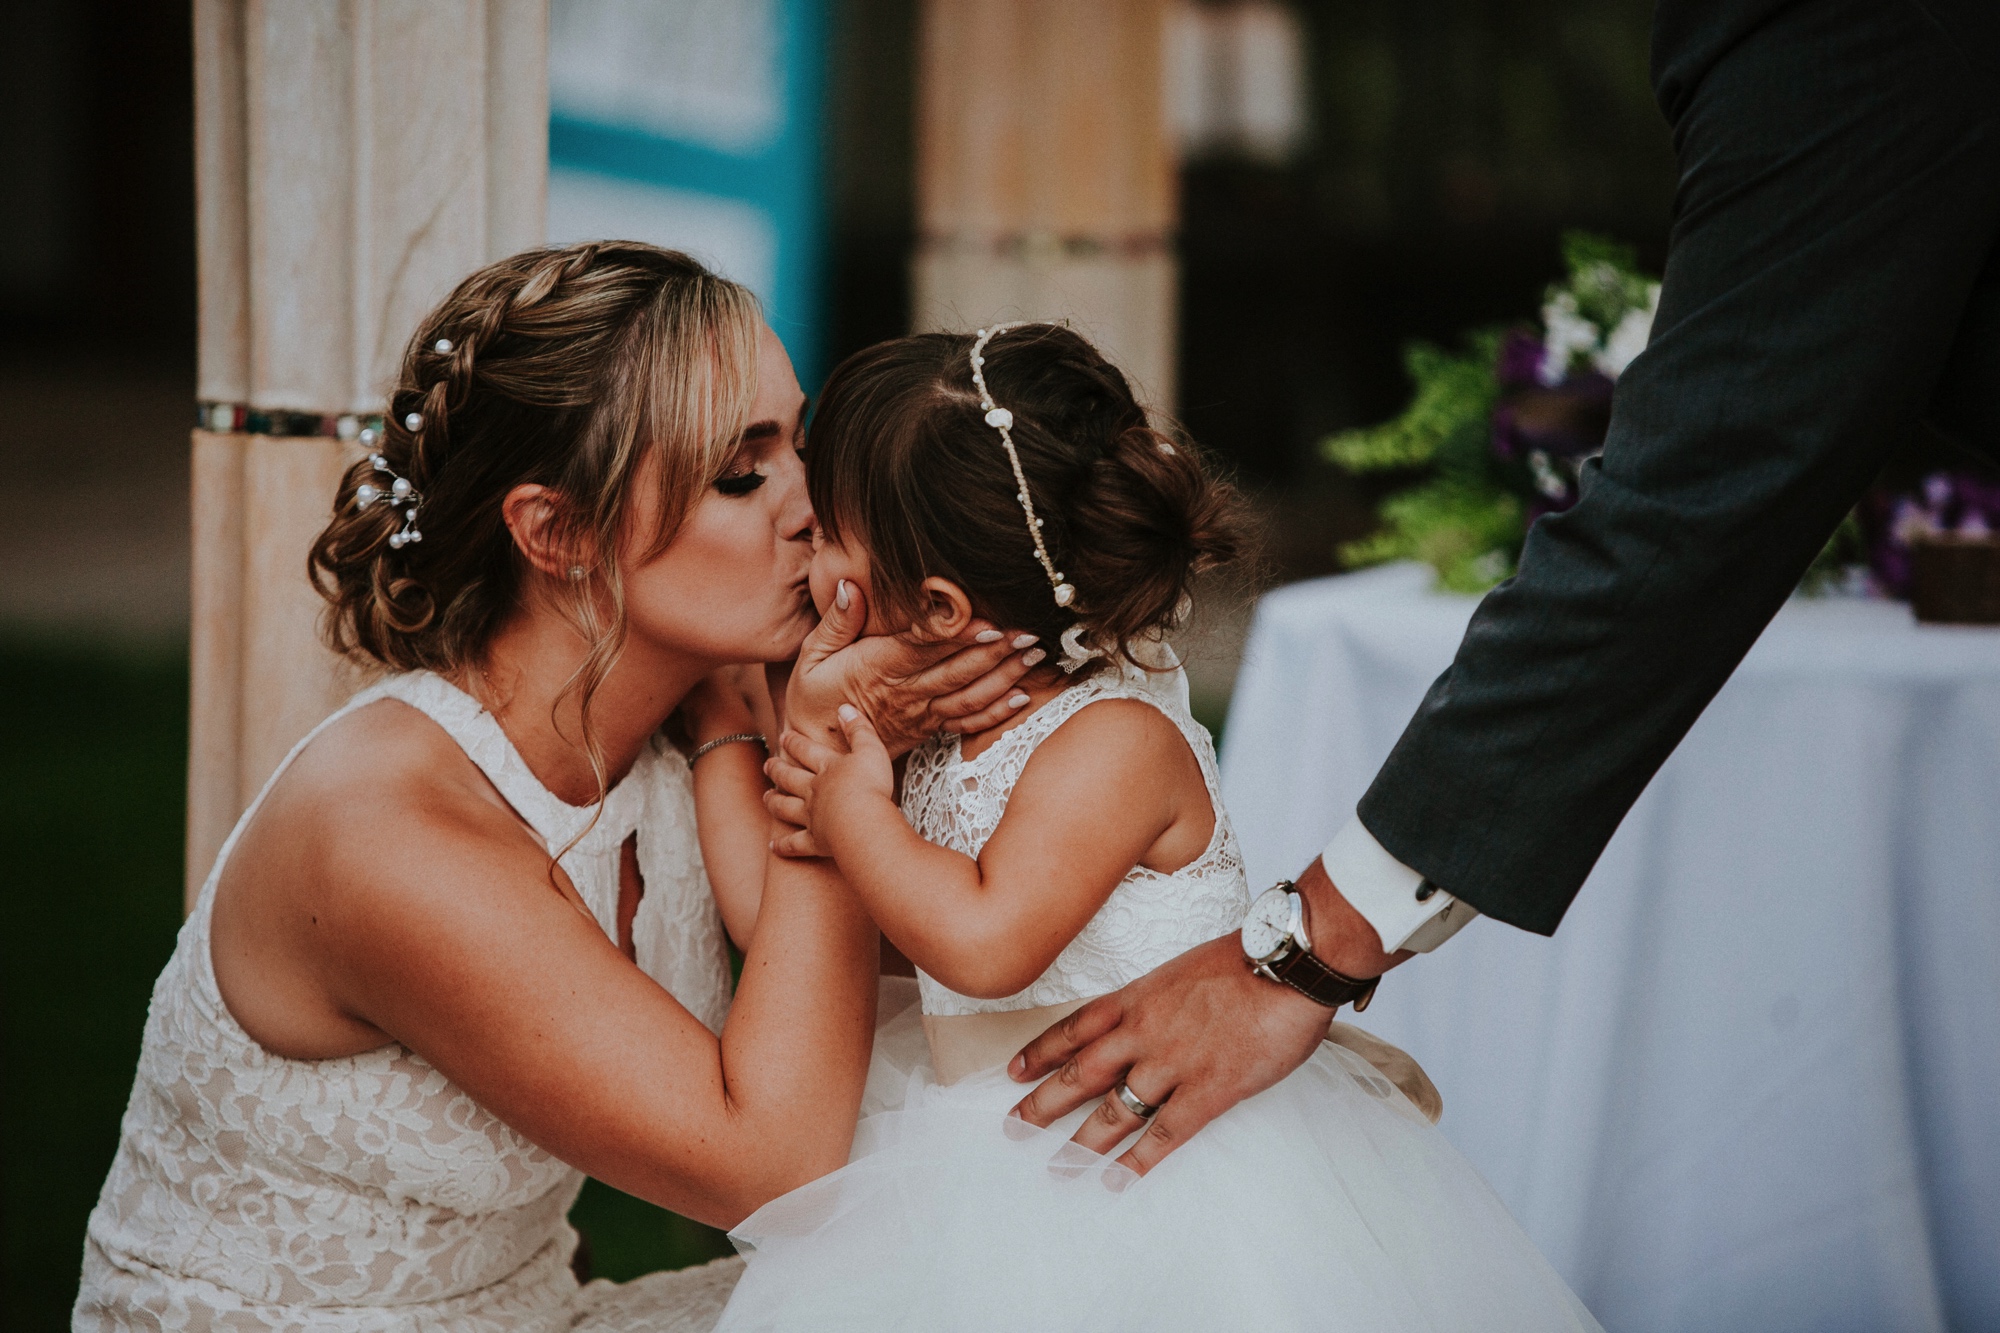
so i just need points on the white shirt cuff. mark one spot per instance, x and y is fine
(1407, 910)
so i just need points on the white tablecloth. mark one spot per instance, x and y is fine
(1753, 1083)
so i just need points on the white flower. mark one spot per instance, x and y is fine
(1565, 333)
(1629, 338)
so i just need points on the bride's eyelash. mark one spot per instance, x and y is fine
(741, 484)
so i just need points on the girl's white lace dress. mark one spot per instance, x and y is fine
(369, 1193)
(1327, 1202)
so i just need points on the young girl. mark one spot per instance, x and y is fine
(1056, 857)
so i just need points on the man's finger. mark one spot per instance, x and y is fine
(1113, 1122)
(840, 626)
(1084, 1077)
(1178, 1121)
(1063, 1039)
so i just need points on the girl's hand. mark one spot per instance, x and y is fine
(789, 799)
(815, 778)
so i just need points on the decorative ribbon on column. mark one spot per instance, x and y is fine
(363, 428)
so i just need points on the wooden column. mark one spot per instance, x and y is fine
(354, 160)
(1045, 180)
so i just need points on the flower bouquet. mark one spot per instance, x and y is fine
(1504, 427)
(1501, 430)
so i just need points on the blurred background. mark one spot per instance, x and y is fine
(1349, 174)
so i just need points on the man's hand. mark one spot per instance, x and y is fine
(910, 686)
(1193, 1037)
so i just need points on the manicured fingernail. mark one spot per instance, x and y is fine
(848, 712)
(1032, 656)
(1016, 700)
(1017, 1128)
(987, 636)
(840, 597)
(1017, 1067)
(1025, 640)
(1118, 1179)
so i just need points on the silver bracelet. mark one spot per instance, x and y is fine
(720, 741)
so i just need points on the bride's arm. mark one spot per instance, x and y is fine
(458, 947)
(729, 787)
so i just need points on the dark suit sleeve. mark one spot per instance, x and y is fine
(1827, 284)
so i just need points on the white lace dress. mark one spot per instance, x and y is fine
(369, 1193)
(1327, 1202)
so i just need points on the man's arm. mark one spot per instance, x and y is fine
(1195, 1036)
(1838, 199)
(1839, 195)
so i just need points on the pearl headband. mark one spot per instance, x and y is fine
(1003, 421)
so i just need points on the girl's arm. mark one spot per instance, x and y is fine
(729, 786)
(1114, 787)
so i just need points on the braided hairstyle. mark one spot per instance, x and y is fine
(565, 368)
(900, 456)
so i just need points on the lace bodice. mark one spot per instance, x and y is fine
(370, 1192)
(1150, 916)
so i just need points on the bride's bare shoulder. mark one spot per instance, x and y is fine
(381, 786)
(362, 846)
(392, 761)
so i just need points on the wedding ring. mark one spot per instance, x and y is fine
(1133, 1104)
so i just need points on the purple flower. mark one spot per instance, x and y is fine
(1959, 502)
(1520, 361)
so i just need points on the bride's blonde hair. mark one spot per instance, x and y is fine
(566, 368)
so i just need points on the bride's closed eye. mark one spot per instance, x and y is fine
(740, 483)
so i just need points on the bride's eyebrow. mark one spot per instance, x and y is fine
(759, 431)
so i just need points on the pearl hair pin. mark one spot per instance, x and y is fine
(1003, 421)
(442, 346)
(400, 494)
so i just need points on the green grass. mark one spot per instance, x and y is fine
(93, 755)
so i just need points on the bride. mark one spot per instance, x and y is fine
(463, 948)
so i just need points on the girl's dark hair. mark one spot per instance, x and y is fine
(900, 460)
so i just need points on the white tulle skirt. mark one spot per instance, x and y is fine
(1327, 1203)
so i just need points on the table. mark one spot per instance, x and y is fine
(1754, 1081)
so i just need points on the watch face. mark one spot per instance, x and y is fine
(1269, 926)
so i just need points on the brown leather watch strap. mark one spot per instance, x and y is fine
(1316, 981)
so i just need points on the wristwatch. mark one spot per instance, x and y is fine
(1275, 943)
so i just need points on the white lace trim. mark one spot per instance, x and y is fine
(251, 1191)
(1151, 916)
